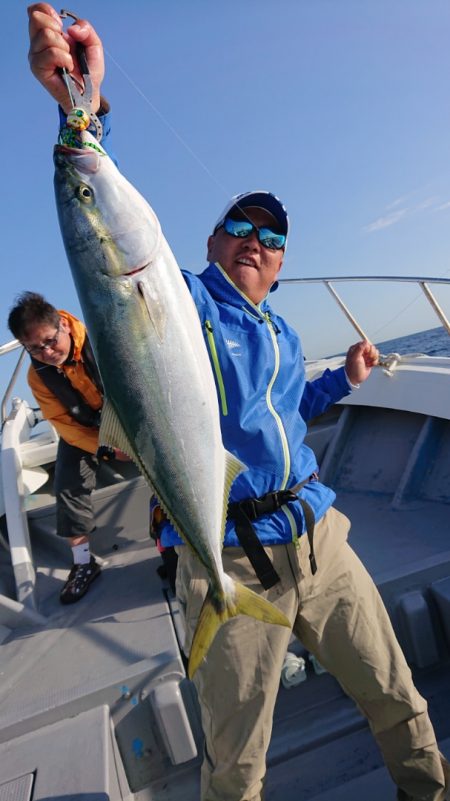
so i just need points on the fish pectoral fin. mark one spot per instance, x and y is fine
(112, 434)
(155, 309)
(215, 611)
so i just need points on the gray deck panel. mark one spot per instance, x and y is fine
(110, 629)
(374, 786)
(72, 759)
(341, 765)
(388, 539)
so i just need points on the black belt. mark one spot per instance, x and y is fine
(244, 512)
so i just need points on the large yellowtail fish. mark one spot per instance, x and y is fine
(161, 404)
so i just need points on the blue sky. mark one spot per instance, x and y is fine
(340, 107)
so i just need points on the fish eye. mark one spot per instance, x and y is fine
(85, 193)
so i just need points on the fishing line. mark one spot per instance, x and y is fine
(168, 125)
(402, 311)
(226, 192)
(393, 319)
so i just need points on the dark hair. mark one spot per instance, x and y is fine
(31, 309)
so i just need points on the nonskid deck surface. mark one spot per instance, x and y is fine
(123, 619)
(91, 652)
(373, 784)
(395, 541)
(86, 680)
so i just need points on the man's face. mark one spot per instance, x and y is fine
(250, 265)
(56, 337)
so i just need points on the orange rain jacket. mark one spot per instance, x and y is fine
(53, 410)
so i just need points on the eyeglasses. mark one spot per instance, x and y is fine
(243, 228)
(35, 350)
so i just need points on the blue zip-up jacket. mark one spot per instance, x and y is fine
(264, 402)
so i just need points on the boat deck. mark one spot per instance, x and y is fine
(102, 685)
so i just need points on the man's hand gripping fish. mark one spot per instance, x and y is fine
(161, 404)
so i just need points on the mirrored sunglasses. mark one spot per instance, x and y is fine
(243, 228)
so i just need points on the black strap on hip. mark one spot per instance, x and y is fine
(244, 512)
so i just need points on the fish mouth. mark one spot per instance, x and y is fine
(66, 149)
(85, 160)
(85, 146)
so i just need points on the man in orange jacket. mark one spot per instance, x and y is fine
(66, 384)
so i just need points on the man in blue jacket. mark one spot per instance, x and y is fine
(283, 536)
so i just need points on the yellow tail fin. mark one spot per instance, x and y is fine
(215, 611)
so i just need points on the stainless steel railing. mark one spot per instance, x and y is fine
(422, 282)
(7, 348)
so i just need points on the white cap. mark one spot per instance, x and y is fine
(259, 198)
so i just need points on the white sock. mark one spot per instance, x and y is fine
(81, 554)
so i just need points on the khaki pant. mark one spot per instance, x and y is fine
(339, 617)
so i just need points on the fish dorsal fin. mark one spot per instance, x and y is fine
(233, 466)
(112, 434)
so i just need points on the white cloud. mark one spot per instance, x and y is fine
(429, 201)
(393, 214)
(386, 221)
(397, 202)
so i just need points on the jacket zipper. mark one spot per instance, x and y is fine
(216, 366)
(284, 442)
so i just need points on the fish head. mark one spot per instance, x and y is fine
(105, 222)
